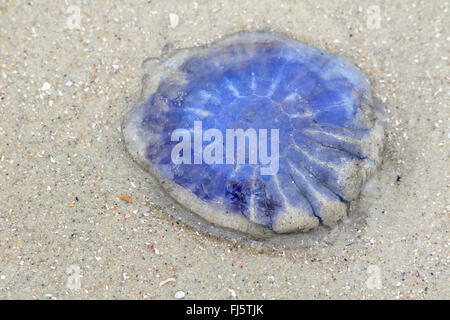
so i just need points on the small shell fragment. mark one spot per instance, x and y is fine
(174, 20)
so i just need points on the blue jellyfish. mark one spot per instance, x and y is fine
(257, 133)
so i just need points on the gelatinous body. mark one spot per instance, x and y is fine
(329, 139)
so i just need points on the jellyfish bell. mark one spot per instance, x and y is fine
(205, 129)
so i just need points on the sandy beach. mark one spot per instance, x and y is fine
(80, 220)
